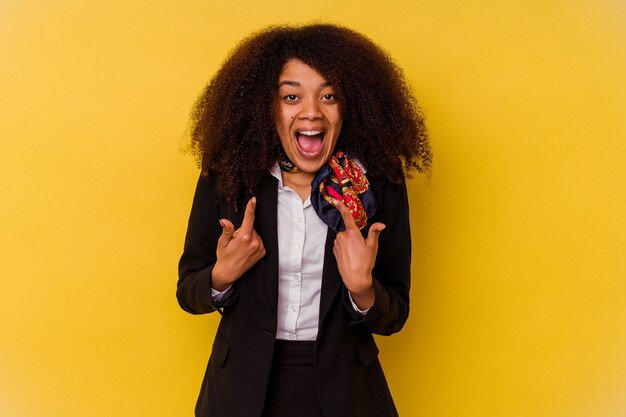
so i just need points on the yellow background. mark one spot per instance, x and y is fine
(519, 284)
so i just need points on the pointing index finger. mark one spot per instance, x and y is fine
(346, 215)
(248, 217)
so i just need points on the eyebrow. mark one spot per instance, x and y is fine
(297, 84)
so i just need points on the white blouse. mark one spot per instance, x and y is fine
(301, 241)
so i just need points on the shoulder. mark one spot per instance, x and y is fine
(392, 203)
(386, 190)
(213, 183)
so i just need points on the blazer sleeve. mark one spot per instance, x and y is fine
(392, 270)
(196, 263)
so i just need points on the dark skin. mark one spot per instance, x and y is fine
(372, 93)
(300, 182)
(356, 257)
(238, 250)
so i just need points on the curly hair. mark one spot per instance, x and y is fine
(233, 131)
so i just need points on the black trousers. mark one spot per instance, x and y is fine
(292, 391)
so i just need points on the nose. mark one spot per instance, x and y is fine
(311, 109)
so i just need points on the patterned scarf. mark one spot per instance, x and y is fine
(341, 179)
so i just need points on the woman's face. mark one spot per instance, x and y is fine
(308, 118)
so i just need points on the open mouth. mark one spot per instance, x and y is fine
(310, 143)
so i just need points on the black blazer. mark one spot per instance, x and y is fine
(349, 377)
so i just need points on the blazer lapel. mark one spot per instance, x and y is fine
(331, 280)
(266, 226)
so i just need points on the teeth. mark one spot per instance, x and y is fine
(310, 132)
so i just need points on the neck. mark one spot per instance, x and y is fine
(300, 182)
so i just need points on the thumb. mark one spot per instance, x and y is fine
(372, 235)
(227, 232)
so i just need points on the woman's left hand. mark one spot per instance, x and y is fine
(356, 257)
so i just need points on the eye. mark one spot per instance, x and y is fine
(329, 97)
(290, 98)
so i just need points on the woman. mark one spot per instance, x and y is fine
(302, 254)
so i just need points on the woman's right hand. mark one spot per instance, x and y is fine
(237, 250)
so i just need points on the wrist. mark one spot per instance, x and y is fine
(219, 279)
(365, 298)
